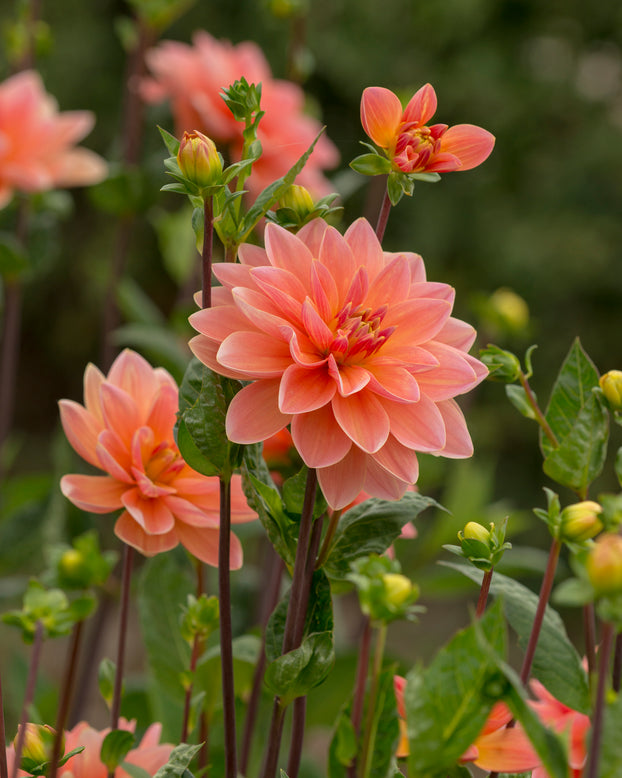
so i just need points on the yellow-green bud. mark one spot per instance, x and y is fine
(398, 588)
(581, 521)
(604, 564)
(38, 745)
(298, 199)
(198, 159)
(475, 531)
(510, 308)
(611, 384)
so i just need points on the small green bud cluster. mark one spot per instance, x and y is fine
(297, 208)
(482, 547)
(502, 365)
(200, 617)
(199, 160)
(581, 521)
(384, 593)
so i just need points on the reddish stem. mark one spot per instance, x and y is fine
(483, 594)
(28, 696)
(599, 706)
(67, 691)
(383, 216)
(359, 687)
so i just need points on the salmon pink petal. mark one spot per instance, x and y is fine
(81, 429)
(336, 255)
(381, 483)
(472, 145)
(324, 290)
(303, 352)
(381, 113)
(231, 275)
(444, 163)
(318, 438)
(152, 514)
(453, 376)
(259, 310)
(417, 321)
(392, 283)
(419, 425)
(393, 382)
(399, 460)
(148, 488)
(288, 252)
(363, 419)
(254, 414)
(422, 106)
(94, 493)
(350, 379)
(203, 544)
(342, 482)
(241, 512)
(318, 331)
(312, 234)
(458, 444)
(163, 413)
(284, 291)
(506, 750)
(365, 246)
(253, 256)
(305, 389)
(93, 379)
(121, 413)
(130, 532)
(134, 375)
(114, 457)
(457, 333)
(219, 322)
(187, 512)
(206, 350)
(258, 354)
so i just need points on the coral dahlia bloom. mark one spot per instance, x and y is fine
(351, 346)
(412, 145)
(37, 142)
(150, 754)
(125, 428)
(193, 77)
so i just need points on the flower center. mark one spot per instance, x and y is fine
(415, 146)
(164, 464)
(358, 333)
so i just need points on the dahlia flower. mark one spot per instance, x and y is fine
(351, 346)
(193, 77)
(150, 754)
(413, 146)
(125, 428)
(37, 142)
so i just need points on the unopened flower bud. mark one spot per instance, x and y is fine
(398, 589)
(298, 199)
(510, 309)
(475, 531)
(38, 745)
(198, 159)
(604, 565)
(611, 384)
(503, 365)
(581, 521)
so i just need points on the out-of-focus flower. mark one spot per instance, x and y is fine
(496, 748)
(562, 719)
(349, 344)
(192, 78)
(198, 159)
(611, 384)
(126, 429)
(150, 754)
(604, 564)
(37, 143)
(412, 145)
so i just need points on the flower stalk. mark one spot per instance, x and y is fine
(371, 719)
(599, 706)
(28, 696)
(359, 688)
(383, 216)
(4, 773)
(483, 593)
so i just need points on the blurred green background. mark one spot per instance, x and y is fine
(542, 217)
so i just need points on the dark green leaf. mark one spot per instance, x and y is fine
(294, 674)
(387, 727)
(266, 500)
(178, 761)
(343, 746)
(170, 141)
(208, 676)
(518, 397)
(13, 256)
(294, 494)
(370, 528)
(134, 771)
(395, 188)
(611, 745)
(115, 747)
(564, 677)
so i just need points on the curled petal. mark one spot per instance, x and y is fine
(472, 145)
(129, 531)
(81, 429)
(254, 414)
(363, 419)
(381, 113)
(458, 444)
(151, 514)
(95, 493)
(305, 389)
(422, 106)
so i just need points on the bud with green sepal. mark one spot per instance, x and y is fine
(611, 385)
(38, 749)
(81, 566)
(384, 593)
(297, 208)
(502, 365)
(482, 547)
(199, 161)
(581, 521)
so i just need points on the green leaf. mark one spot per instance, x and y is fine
(294, 494)
(395, 188)
(387, 726)
(295, 673)
(518, 397)
(204, 397)
(266, 500)
(611, 744)
(208, 677)
(170, 141)
(447, 704)
(134, 771)
(371, 165)
(176, 242)
(581, 455)
(573, 386)
(13, 256)
(105, 679)
(564, 677)
(178, 761)
(115, 747)
(370, 528)
(162, 588)
(343, 746)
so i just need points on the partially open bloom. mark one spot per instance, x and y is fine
(348, 344)
(37, 142)
(150, 754)
(611, 384)
(193, 77)
(412, 145)
(126, 429)
(562, 719)
(198, 159)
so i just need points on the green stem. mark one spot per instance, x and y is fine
(208, 240)
(371, 719)
(599, 706)
(383, 216)
(28, 696)
(531, 398)
(328, 538)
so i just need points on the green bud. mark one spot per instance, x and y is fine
(199, 160)
(611, 384)
(398, 589)
(502, 365)
(38, 745)
(299, 200)
(581, 521)
(509, 310)
(475, 531)
(604, 565)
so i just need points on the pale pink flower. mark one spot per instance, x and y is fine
(351, 346)
(150, 754)
(412, 145)
(37, 143)
(193, 77)
(126, 429)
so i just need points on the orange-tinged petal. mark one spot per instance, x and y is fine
(121, 412)
(95, 493)
(81, 429)
(287, 251)
(366, 247)
(305, 389)
(129, 531)
(259, 355)
(152, 514)
(421, 106)
(363, 419)
(93, 379)
(254, 413)
(458, 444)
(382, 483)
(203, 544)
(381, 113)
(350, 379)
(319, 439)
(472, 145)
(342, 482)
(398, 460)
(419, 425)
(506, 750)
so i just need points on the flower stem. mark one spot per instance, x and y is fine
(208, 238)
(196, 652)
(226, 629)
(298, 727)
(115, 708)
(545, 593)
(4, 772)
(531, 398)
(590, 637)
(617, 663)
(328, 538)
(483, 594)
(383, 216)
(359, 688)
(28, 696)
(67, 691)
(371, 720)
(599, 706)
